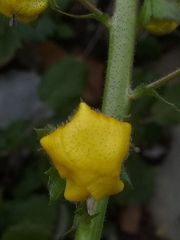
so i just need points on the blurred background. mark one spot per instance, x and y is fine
(44, 71)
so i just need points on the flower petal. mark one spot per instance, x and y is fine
(161, 26)
(88, 151)
(24, 10)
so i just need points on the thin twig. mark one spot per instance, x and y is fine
(162, 81)
(90, 6)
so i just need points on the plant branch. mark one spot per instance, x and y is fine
(98, 15)
(162, 81)
(148, 89)
(90, 7)
(116, 100)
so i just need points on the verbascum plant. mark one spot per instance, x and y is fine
(161, 26)
(23, 10)
(88, 152)
(160, 17)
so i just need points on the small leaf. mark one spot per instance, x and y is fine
(34, 210)
(82, 217)
(27, 231)
(42, 132)
(52, 3)
(10, 41)
(125, 177)
(164, 114)
(160, 9)
(142, 177)
(56, 185)
(155, 94)
(63, 84)
(65, 31)
(143, 91)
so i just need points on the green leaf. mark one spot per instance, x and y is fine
(153, 93)
(165, 114)
(42, 132)
(33, 210)
(82, 217)
(63, 84)
(52, 3)
(27, 231)
(19, 134)
(161, 9)
(65, 31)
(56, 185)
(10, 41)
(3, 140)
(29, 183)
(142, 177)
(143, 91)
(125, 177)
(148, 48)
(46, 26)
(63, 4)
(141, 76)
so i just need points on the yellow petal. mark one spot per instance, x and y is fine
(161, 26)
(88, 152)
(23, 10)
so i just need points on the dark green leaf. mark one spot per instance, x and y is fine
(63, 85)
(3, 140)
(143, 91)
(56, 185)
(52, 3)
(141, 76)
(34, 210)
(142, 177)
(82, 217)
(10, 41)
(46, 26)
(42, 132)
(125, 177)
(161, 9)
(65, 31)
(30, 182)
(19, 134)
(165, 114)
(27, 231)
(63, 4)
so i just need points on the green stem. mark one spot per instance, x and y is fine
(116, 100)
(96, 13)
(148, 89)
(90, 6)
(162, 81)
(121, 51)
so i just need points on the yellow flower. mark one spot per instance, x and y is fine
(88, 152)
(23, 10)
(161, 26)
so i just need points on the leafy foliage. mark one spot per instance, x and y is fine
(142, 178)
(63, 84)
(164, 114)
(24, 206)
(56, 185)
(160, 9)
(27, 231)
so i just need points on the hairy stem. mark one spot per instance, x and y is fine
(116, 100)
(149, 89)
(90, 6)
(162, 81)
(121, 51)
